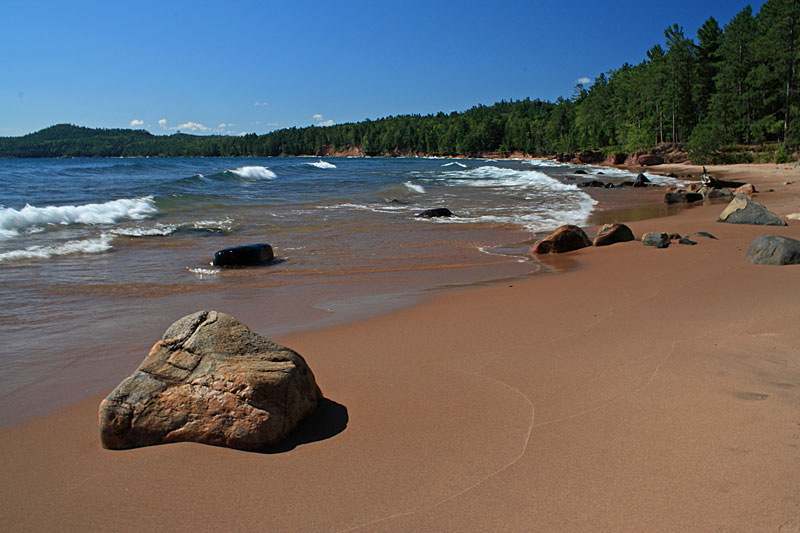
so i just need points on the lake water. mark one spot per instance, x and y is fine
(99, 256)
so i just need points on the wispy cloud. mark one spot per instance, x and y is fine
(191, 126)
(583, 80)
(319, 120)
(261, 104)
(137, 122)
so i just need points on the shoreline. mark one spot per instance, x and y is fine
(642, 387)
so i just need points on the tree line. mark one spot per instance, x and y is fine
(731, 91)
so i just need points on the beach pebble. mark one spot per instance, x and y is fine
(705, 234)
(612, 234)
(564, 239)
(212, 380)
(774, 250)
(686, 240)
(743, 210)
(659, 240)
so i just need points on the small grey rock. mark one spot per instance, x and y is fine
(659, 240)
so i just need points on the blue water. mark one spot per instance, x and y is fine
(98, 256)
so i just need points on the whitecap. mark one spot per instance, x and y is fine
(85, 246)
(30, 218)
(205, 271)
(254, 173)
(415, 187)
(321, 164)
(454, 163)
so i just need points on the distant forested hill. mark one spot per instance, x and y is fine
(727, 93)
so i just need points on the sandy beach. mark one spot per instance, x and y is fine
(645, 389)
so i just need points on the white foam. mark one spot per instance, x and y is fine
(498, 177)
(157, 230)
(455, 163)
(30, 218)
(86, 246)
(321, 164)
(414, 187)
(205, 271)
(224, 225)
(255, 173)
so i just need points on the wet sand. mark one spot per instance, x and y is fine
(645, 389)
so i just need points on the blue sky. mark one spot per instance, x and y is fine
(246, 66)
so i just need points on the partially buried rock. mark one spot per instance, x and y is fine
(774, 250)
(248, 255)
(659, 240)
(435, 213)
(748, 189)
(743, 210)
(564, 239)
(641, 181)
(686, 240)
(210, 380)
(612, 234)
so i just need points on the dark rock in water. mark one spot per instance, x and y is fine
(248, 255)
(679, 197)
(672, 175)
(601, 173)
(212, 380)
(564, 239)
(435, 213)
(593, 183)
(705, 234)
(580, 171)
(774, 250)
(612, 234)
(659, 240)
(743, 210)
(627, 184)
(394, 201)
(641, 181)
(686, 240)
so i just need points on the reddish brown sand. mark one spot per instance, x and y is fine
(646, 390)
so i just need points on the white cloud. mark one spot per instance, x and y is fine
(261, 104)
(163, 123)
(137, 122)
(326, 123)
(191, 126)
(583, 80)
(317, 116)
(223, 125)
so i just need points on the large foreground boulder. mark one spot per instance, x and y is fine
(743, 210)
(774, 250)
(248, 255)
(612, 234)
(211, 380)
(563, 239)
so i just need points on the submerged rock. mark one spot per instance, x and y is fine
(743, 210)
(211, 380)
(659, 240)
(435, 213)
(248, 255)
(563, 239)
(682, 197)
(774, 250)
(612, 234)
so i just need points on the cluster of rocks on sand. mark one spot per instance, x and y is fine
(766, 249)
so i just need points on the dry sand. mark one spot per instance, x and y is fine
(646, 390)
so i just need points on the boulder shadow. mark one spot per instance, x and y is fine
(327, 421)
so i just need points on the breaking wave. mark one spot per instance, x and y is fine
(415, 187)
(31, 218)
(254, 173)
(86, 246)
(321, 164)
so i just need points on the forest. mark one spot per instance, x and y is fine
(731, 94)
